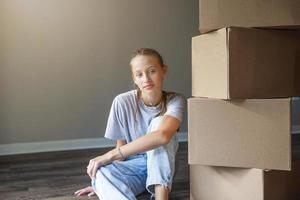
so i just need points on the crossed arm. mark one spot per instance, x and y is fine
(150, 141)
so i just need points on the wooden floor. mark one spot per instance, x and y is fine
(56, 175)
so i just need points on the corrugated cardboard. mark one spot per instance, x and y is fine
(246, 63)
(215, 14)
(225, 183)
(252, 133)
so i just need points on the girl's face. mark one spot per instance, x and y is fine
(147, 73)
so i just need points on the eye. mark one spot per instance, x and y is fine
(139, 75)
(152, 71)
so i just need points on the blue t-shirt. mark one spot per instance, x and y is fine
(129, 117)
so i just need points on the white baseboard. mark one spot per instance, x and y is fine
(296, 129)
(62, 145)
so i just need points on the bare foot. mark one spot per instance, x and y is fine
(85, 191)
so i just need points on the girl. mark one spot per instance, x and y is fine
(143, 122)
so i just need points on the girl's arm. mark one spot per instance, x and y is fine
(150, 141)
(120, 143)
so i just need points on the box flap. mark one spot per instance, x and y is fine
(282, 184)
(213, 183)
(263, 63)
(209, 60)
(227, 65)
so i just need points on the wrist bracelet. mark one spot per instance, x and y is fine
(119, 150)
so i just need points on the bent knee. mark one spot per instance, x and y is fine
(154, 124)
(102, 174)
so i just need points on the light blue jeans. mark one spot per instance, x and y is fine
(124, 180)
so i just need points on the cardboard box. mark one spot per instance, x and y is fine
(215, 14)
(246, 63)
(252, 133)
(225, 183)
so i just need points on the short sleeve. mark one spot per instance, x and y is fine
(176, 107)
(115, 123)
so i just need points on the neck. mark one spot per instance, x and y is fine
(151, 99)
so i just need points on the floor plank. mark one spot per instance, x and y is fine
(56, 175)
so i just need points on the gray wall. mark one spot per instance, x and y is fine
(296, 111)
(63, 61)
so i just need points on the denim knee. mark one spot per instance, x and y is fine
(161, 161)
(108, 186)
(121, 179)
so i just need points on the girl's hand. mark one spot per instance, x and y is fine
(97, 162)
(87, 190)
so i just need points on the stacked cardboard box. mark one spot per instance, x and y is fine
(239, 117)
(215, 14)
(229, 183)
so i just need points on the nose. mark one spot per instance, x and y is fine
(146, 78)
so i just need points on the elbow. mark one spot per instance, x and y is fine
(164, 138)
